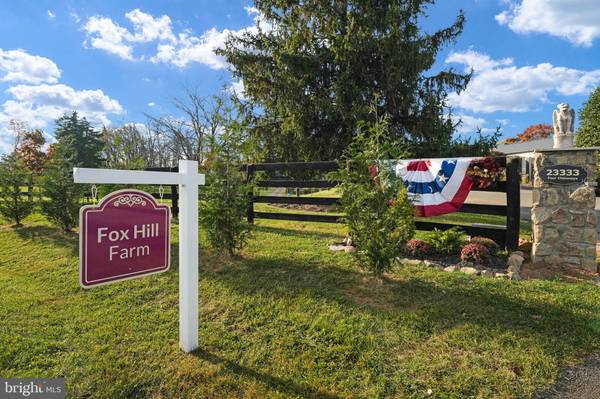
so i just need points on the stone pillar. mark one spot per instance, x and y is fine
(563, 216)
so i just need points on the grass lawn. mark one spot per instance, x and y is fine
(288, 319)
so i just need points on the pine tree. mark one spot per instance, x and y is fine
(588, 134)
(225, 197)
(62, 195)
(77, 145)
(13, 204)
(313, 69)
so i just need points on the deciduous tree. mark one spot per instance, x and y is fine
(29, 151)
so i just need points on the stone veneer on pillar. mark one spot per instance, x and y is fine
(563, 216)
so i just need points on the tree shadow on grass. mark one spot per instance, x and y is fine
(441, 304)
(274, 383)
(46, 233)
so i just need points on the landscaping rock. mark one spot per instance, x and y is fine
(451, 268)
(433, 264)
(469, 270)
(486, 273)
(501, 275)
(410, 261)
(514, 263)
(513, 276)
(342, 247)
(337, 247)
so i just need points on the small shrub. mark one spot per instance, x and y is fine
(474, 253)
(486, 242)
(13, 204)
(418, 248)
(446, 242)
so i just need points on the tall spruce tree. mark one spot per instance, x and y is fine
(588, 134)
(313, 69)
(78, 142)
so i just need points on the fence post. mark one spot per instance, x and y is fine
(513, 203)
(30, 188)
(250, 207)
(174, 201)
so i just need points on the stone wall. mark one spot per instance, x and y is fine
(563, 216)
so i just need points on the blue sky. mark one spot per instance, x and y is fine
(113, 61)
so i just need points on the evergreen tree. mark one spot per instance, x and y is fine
(77, 145)
(78, 142)
(313, 69)
(588, 134)
(374, 201)
(62, 196)
(225, 197)
(13, 204)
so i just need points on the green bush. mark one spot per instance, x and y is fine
(377, 210)
(13, 204)
(446, 242)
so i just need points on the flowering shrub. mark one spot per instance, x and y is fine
(484, 172)
(418, 248)
(474, 253)
(487, 242)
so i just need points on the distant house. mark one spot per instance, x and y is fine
(525, 151)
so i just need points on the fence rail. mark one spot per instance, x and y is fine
(506, 235)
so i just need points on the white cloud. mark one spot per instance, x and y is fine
(75, 17)
(22, 67)
(39, 99)
(575, 20)
(477, 61)
(469, 123)
(146, 28)
(190, 49)
(50, 14)
(237, 88)
(502, 86)
(104, 34)
(180, 49)
(151, 104)
(41, 104)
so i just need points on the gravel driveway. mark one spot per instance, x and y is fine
(581, 382)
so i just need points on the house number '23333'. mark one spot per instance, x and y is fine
(563, 174)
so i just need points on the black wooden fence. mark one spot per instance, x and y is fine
(506, 235)
(173, 195)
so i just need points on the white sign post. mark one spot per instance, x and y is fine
(188, 179)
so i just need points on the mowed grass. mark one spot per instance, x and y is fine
(287, 319)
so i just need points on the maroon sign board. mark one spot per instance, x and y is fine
(127, 235)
